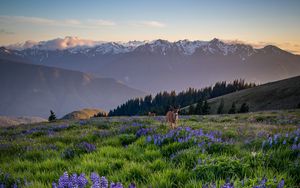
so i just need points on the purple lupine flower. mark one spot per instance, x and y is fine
(103, 182)
(228, 184)
(116, 185)
(262, 183)
(148, 139)
(87, 147)
(284, 142)
(243, 182)
(63, 180)
(53, 185)
(73, 179)
(95, 180)
(213, 185)
(281, 184)
(82, 181)
(270, 141)
(132, 185)
(294, 147)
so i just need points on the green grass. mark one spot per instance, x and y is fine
(41, 157)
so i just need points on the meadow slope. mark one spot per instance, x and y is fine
(282, 94)
(245, 149)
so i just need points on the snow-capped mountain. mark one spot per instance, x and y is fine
(157, 65)
(182, 47)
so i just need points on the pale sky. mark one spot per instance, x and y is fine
(259, 22)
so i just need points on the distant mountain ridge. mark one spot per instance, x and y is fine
(34, 90)
(183, 47)
(159, 65)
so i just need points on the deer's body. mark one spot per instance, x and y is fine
(151, 114)
(172, 117)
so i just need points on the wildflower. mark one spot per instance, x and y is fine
(103, 182)
(53, 185)
(294, 147)
(63, 180)
(132, 185)
(116, 185)
(82, 181)
(281, 184)
(227, 184)
(87, 147)
(95, 180)
(149, 139)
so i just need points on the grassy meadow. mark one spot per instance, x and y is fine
(244, 150)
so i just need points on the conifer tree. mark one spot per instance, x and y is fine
(244, 108)
(52, 116)
(221, 107)
(191, 109)
(232, 110)
(198, 109)
(205, 108)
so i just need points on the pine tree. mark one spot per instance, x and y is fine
(232, 110)
(244, 108)
(198, 109)
(205, 108)
(52, 116)
(221, 107)
(191, 109)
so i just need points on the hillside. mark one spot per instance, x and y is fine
(8, 121)
(85, 113)
(32, 90)
(283, 94)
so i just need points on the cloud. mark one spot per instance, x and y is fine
(23, 19)
(155, 24)
(290, 47)
(58, 43)
(101, 22)
(89, 23)
(6, 32)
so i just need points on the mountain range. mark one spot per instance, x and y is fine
(64, 77)
(153, 66)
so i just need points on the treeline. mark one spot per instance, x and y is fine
(203, 108)
(160, 103)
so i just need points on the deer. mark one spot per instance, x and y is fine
(151, 114)
(172, 117)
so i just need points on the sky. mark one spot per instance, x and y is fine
(257, 22)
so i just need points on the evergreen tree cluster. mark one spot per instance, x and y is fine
(202, 108)
(243, 109)
(161, 102)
